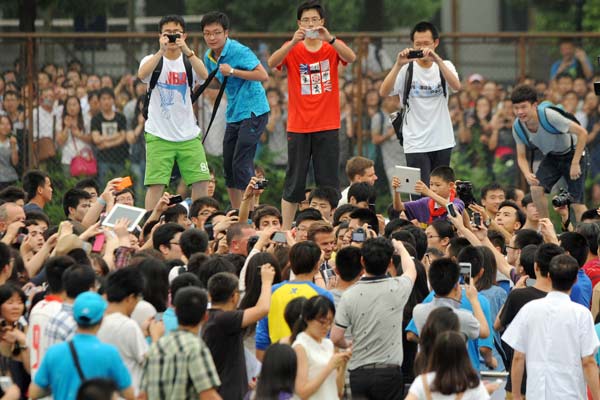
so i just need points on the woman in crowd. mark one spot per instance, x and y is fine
(9, 153)
(439, 234)
(278, 374)
(72, 138)
(440, 320)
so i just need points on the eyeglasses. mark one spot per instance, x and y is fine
(432, 236)
(212, 34)
(177, 243)
(513, 248)
(314, 20)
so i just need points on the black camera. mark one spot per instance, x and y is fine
(563, 198)
(415, 54)
(464, 190)
(261, 184)
(173, 37)
(359, 235)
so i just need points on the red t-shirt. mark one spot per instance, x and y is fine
(592, 270)
(313, 88)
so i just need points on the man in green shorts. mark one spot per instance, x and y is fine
(171, 130)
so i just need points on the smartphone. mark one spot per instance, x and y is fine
(359, 235)
(312, 34)
(208, 228)
(279, 237)
(415, 54)
(124, 184)
(372, 207)
(98, 243)
(158, 317)
(477, 219)
(175, 199)
(451, 210)
(173, 37)
(529, 282)
(330, 273)
(465, 271)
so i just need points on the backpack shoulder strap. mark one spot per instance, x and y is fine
(520, 130)
(443, 83)
(189, 72)
(155, 75)
(541, 110)
(76, 360)
(407, 84)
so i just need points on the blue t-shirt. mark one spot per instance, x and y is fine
(573, 70)
(170, 320)
(472, 345)
(244, 97)
(597, 356)
(97, 360)
(581, 292)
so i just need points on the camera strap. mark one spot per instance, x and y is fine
(217, 100)
(76, 360)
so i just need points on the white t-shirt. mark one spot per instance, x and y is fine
(417, 389)
(170, 113)
(427, 124)
(124, 333)
(39, 317)
(72, 147)
(318, 355)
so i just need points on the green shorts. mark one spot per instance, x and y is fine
(161, 155)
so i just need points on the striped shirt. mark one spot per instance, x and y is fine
(62, 327)
(178, 366)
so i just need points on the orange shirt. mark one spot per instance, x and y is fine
(313, 88)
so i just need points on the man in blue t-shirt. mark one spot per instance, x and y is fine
(64, 368)
(247, 106)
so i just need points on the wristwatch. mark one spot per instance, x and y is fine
(487, 222)
(231, 71)
(191, 54)
(332, 41)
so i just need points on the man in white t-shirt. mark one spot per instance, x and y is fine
(426, 128)
(46, 309)
(124, 289)
(172, 134)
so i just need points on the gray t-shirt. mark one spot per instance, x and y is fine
(548, 142)
(468, 323)
(372, 311)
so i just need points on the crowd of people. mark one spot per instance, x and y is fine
(323, 296)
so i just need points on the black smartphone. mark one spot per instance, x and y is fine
(175, 199)
(415, 54)
(208, 228)
(451, 210)
(359, 235)
(477, 219)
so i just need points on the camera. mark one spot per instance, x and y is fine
(261, 184)
(415, 54)
(563, 198)
(173, 37)
(312, 34)
(359, 235)
(464, 190)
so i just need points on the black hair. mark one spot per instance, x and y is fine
(524, 93)
(130, 191)
(362, 191)
(316, 307)
(308, 214)
(406, 237)
(55, 269)
(511, 192)
(576, 245)
(420, 239)
(445, 173)
(491, 187)
(443, 276)
(304, 257)
(310, 5)
(425, 26)
(4, 255)
(440, 320)
(106, 91)
(96, 389)
(474, 256)
(72, 198)
(526, 237)
(443, 228)
(377, 254)
(193, 241)
(8, 290)
(212, 266)
(527, 199)
(215, 17)
(190, 305)
(348, 264)
(88, 182)
(278, 372)
(587, 214)
(156, 278)
(78, 279)
(293, 311)
(591, 232)
(544, 254)
(263, 211)
(563, 272)
(32, 180)
(527, 259)
(237, 260)
(331, 195)
(196, 263)
(37, 216)
(366, 216)
(122, 283)
(394, 225)
(11, 194)
(202, 202)
(519, 213)
(172, 213)
(490, 269)
(221, 286)
(184, 280)
(178, 19)
(165, 233)
(456, 245)
(253, 280)
(498, 240)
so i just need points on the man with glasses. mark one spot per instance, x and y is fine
(172, 134)
(427, 127)
(311, 58)
(247, 106)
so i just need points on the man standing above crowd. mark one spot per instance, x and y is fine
(311, 59)
(427, 127)
(247, 106)
(171, 130)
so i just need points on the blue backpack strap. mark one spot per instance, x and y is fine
(541, 110)
(518, 127)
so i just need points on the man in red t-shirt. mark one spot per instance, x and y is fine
(311, 59)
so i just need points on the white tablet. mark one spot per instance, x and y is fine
(133, 214)
(408, 178)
